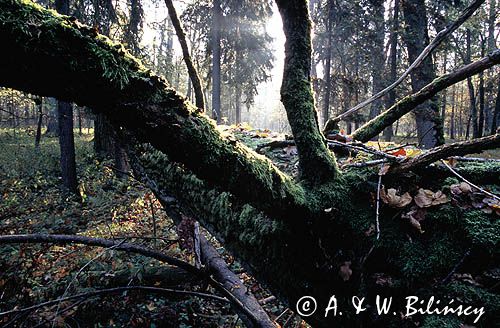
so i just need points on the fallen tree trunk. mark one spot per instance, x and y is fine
(297, 239)
(100, 74)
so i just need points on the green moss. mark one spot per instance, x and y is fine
(482, 229)
(435, 321)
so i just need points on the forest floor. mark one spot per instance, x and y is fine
(31, 201)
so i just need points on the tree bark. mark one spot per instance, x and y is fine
(216, 60)
(377, 57)
(472, 94)
(496, 113)
(328, 62)
(316, 164)
(192, 71)
(392, 96)
(416, 37)
(38, 137)
(310, 235)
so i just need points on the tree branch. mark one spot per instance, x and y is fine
(440, 37)
(404, 106)
(93, 71)
(118, 290)
(316, 164)
(100, 242)
(193, 73)
(446, 151)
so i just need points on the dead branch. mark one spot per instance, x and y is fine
(408, 103)
(117, 290)
(100, 242)
(247, 306)
(218, 267)
(470, 183)
(440, 37)
(193, 73)
(446, 151)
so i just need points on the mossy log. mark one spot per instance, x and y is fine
(296, 238)
(89, 69)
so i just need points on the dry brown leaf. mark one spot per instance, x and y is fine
(345, 271)
(428, 198)
(414, 217)
(414, 222)
(391, 198)
(460, 188)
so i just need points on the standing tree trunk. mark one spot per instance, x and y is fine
(391, 97)
(377, 63)
(38, 137)
(52, 124)
(328, 62)
(472, 95)
(238, 105)
(67, 146)
(193, 73)
(452, 116)
(66, 137)
(480, 124)
(216, 60)
(416, 37)
(496, 113)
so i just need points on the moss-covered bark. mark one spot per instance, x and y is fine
(296, 258)
(317, 164)
(93, 71)
(407, 104)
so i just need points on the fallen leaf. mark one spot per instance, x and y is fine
(399, 152)
(460, 188)
(428, 198)
(345, 271)
(414, 217)
(392, 199)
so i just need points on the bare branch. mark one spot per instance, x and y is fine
(117, 290)
(446, 151)
(193, 73)
(100, 242)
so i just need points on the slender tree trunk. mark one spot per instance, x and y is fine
(80, 121)
(193, 73)
(416, 37)
(328, 63)
(496, 114)
(52, 124)
(238, 105)
(452, 116)
(377, 57)
(472, 94)
(392, 96)
(38, 136)
(216, 61)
